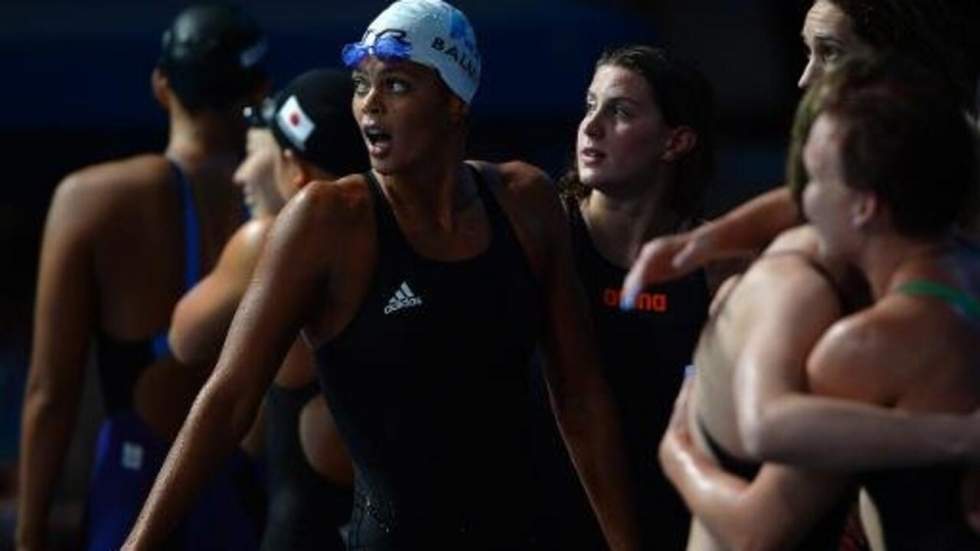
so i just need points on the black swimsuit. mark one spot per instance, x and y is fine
(305, 509)
(643, 353)
(427, 386)
(920, 508)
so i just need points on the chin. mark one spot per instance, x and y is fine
(587, 177)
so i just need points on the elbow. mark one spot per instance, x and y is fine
(182, 343)
(756, 433)
(175, 340)
(43, 401)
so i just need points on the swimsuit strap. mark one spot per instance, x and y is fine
(956, 298)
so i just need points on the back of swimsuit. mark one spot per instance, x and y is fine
(228, 511)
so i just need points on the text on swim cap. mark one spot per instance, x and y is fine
(461, 59)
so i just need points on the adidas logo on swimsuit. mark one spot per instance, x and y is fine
(404, 298)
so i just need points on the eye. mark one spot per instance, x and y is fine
(397, 85)
(361, 85)
(589, 105)
(828, 54)
(621, 112)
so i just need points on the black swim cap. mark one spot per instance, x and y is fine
(212, 55)
(312, 116)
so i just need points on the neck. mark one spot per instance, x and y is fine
(206, 142)
(889, 260)
(435, 188)
(621, 224)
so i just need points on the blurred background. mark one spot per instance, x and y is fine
(76, 91)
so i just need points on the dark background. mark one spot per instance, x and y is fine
(74, 90)
(75, 86)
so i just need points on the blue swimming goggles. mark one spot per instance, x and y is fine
(385, 48)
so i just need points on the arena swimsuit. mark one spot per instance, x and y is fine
(827, 533)
(428, 386)
(305, 509)
(921, 508)
(129, 455)
(643, 354)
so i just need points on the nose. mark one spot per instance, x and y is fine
(371, 102)
(810, 73)
(592, 125)
(239, 177)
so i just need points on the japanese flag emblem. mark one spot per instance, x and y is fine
(294, 123)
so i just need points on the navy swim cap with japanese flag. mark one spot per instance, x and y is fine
(312, 116)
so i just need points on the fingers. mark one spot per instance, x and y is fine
(653, 265)
(689, 258)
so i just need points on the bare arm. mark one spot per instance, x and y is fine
(746, 229)
(201, 318)
(790, 500)
(846, 434)
(287, 281)
(587, 416)
(64, 317)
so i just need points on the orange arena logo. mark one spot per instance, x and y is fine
(646, 302)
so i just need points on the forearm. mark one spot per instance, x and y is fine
(753, 224)
(716, 498)
(835, 434)
(46, 430)
(213, 429)
(590, 426)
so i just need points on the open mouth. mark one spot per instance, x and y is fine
(379, 141)
(591, 155)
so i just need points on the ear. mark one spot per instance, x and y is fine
(161, 88)
(680, 142)
(299, 172)
(864, 209)
(458, 110)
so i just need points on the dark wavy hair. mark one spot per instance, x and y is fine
(903, 137)
(685, 98)
(940, 34)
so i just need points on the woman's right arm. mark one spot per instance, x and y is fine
(745, 229)
(64, 318)
(288, 280)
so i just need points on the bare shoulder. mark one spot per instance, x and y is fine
(243, 249)
(801, 238)
(338, 203)
(119, 176)
(526, 181)
(857, 356)
(93, 194)
(527, 194)
(325, 218)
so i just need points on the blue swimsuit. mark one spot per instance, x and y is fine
(129, 455)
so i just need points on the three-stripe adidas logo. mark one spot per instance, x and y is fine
(404, 298)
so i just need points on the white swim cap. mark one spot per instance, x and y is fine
(429, 32)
